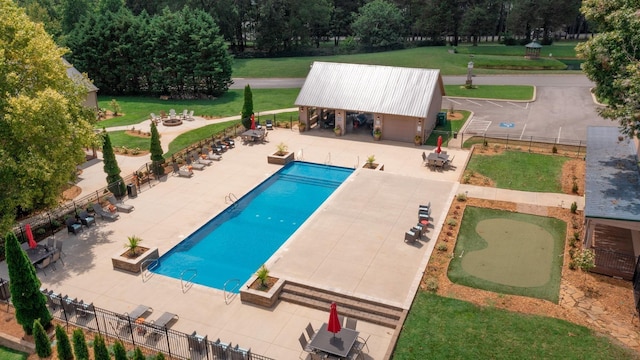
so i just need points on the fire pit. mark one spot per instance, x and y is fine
(172, 122)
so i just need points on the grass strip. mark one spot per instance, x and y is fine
(502, 92)
(445, 328)
(517, 170)
(194, 136)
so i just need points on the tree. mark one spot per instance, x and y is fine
(43, 345)
(247, 107)
(379, 24)
(160, 356)
(43, 125)
(156, 152)
(100, 351)
(64, 346)
(585, 261)
(72, 12)
(119, 352)
(611, 60)
(29, 302)
(80, 349)
(115, 183)
(137, 354)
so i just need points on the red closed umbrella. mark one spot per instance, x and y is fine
(32, 241)
(253, 122)
(334, 321)
(438, 150)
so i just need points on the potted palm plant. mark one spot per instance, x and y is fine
(377, 134)
(417, 140)
(337, 130)
(133, 259)
(282, 156)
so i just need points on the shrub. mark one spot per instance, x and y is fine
(461, 197)
(119, 352)
(572, 265)
(432, 284)
(115, 107)
(576, 235)
(574, 188)
(80, 349)
(43, 345)
(572, 242)
(138, 355)
(160, 356)
(485, 144)
(41, 231)
(100, 351)
(466, 178)
(574, 207)
(452, 222)
(442, 247)
(554, 149)
(64, 346)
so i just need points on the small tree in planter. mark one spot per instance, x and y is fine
(263, 275)
(132, 245)
(281, 149)
(370, 161)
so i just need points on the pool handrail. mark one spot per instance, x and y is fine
(230, 294)
(186, 285)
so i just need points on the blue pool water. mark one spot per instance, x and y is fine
(235, 243)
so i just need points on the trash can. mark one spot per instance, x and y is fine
(441, 119)
(132, 191)
(455, 134)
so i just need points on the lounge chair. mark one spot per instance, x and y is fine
(69, 305)
(220, 349)
(216, 148)
(211, 155)
(230, 142)
(410, 236)
(427, 206)
(194, 165)
(181, 172)
(258, 125)
(269, 124)
(104, 213)
(121, 206)
(83, 310)
(222, 146)
(238, 353)
(86, 219)
(202, 159)
(73, 226)
(165, 319)
(139, 311)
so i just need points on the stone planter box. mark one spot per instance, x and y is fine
(280, 160)
(258, 297)
(133, 265)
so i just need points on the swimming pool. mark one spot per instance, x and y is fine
(235, 243)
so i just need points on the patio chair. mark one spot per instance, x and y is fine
(269, 124)
(219, 349)
(44, 264)
(222, 146)
(197, 343)
(172, 113)
(425, 161)
(351, 323)
(86, 219)
(120, 205)
(104, 213)
(258, 125)
(59, 244)
(84, 310)
(57, 255)
(73, 226)
(51, 243)
(238, 353)
(424, 210)
(185, 113)
(190, 116)
(410, 236)
(310, 331)
(216, 148)
(181, 172)
(194, 165)
(230, 142)
(426, 207)
(304, 344)
(69, 306)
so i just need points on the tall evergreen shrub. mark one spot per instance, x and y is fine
(80, 349)
(119, 352)
(138, 355)
(247, 107)
(156, 152)
(43, 345)
(100, 351)
(24, 285)
(111, 168)
(64, 346)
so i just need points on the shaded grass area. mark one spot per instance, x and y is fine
(520, 170)
(435, 57)
(448, 128)
(517, 63)
(505, 92)
(120, 138)
(10, 354)
(565, 49)
(445, 328)
(469, 240)
(137, 109)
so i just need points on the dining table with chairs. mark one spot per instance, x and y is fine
(339, 344)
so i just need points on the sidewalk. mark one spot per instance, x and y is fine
(521, 197)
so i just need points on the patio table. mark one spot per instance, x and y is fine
(336, 344)
(38, 254)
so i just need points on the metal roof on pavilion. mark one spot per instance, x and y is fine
(370, 88)
(612, 187)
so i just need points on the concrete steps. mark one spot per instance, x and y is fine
(350, 306)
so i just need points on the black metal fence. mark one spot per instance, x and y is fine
(565, 146)
(612, 263)
(142, 333)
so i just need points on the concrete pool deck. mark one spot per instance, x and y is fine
(352, 244)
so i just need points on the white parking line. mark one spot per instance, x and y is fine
(453, 101)
(477, 126)
(473, 102)
(519, 105)
(522, 133)
(491, 102)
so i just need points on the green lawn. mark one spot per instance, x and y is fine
(502, 252)
(565, 49)
(10, 354)
(444, 328)
(196, 135)
(137, 109)
(504, 92)
(446, 130)
(120, 139)
(436, 57)
(517, 170)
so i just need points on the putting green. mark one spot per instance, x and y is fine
(517, 253)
